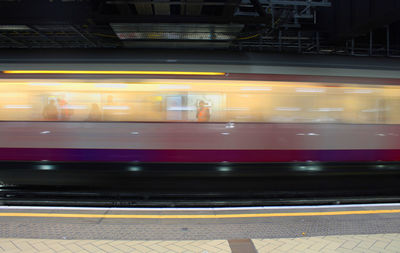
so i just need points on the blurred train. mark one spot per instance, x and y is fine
(201, 114)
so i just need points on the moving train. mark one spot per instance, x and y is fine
(198, 113)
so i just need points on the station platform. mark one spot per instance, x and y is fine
(343, 243)
(339, 228)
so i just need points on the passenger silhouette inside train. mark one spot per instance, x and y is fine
(203, 113)
(50, 111)
(95, 113)
(65, 112)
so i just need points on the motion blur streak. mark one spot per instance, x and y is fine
(112, 72)
(188, 120)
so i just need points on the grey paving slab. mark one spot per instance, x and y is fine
(196, 229)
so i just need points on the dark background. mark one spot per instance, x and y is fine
(355, 27)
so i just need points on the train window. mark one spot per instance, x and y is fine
(175, 106)
(16, 106)
(248, 107)
(116, 107)
(361, 108)
(288, 108)
(211, 104)
(390, 106)
(327, 108)
(236, 101)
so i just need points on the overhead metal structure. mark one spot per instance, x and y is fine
(146, 31)
(275, 25)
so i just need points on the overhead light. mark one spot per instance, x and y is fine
(45, 84)
(181, 108)
(46, 167)
(236, 109)
(111, 85)
(309, 134)
(256, 88)
(14, 27)
(134, 168)
(289, 109)
(174, 87)
(17, 106)
(224, 169)
(373, 110)
(308, 168)
(358, 91)
(230, 125)
(339, 109)
(112, 107)
(310, 90)
(74, 107)
(173, 31)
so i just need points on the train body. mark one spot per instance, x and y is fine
(198, 142)
(256, 113)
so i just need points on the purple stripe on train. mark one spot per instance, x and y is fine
(124, 155)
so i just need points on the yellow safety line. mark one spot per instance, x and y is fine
(111, 72)
(194, 216)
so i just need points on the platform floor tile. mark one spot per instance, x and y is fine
(88, 246)
(341, 243)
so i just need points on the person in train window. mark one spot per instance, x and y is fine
(203, 113)
(95, 113)
(50, 111)
(65, 112)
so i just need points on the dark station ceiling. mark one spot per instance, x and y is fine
(370, 27)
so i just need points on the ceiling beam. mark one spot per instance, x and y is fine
(124, 9)
(230, 8)
(144, 8)
(259, 9)
(179, 19)
(15, 42)
(193, 9)
(162, 8)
